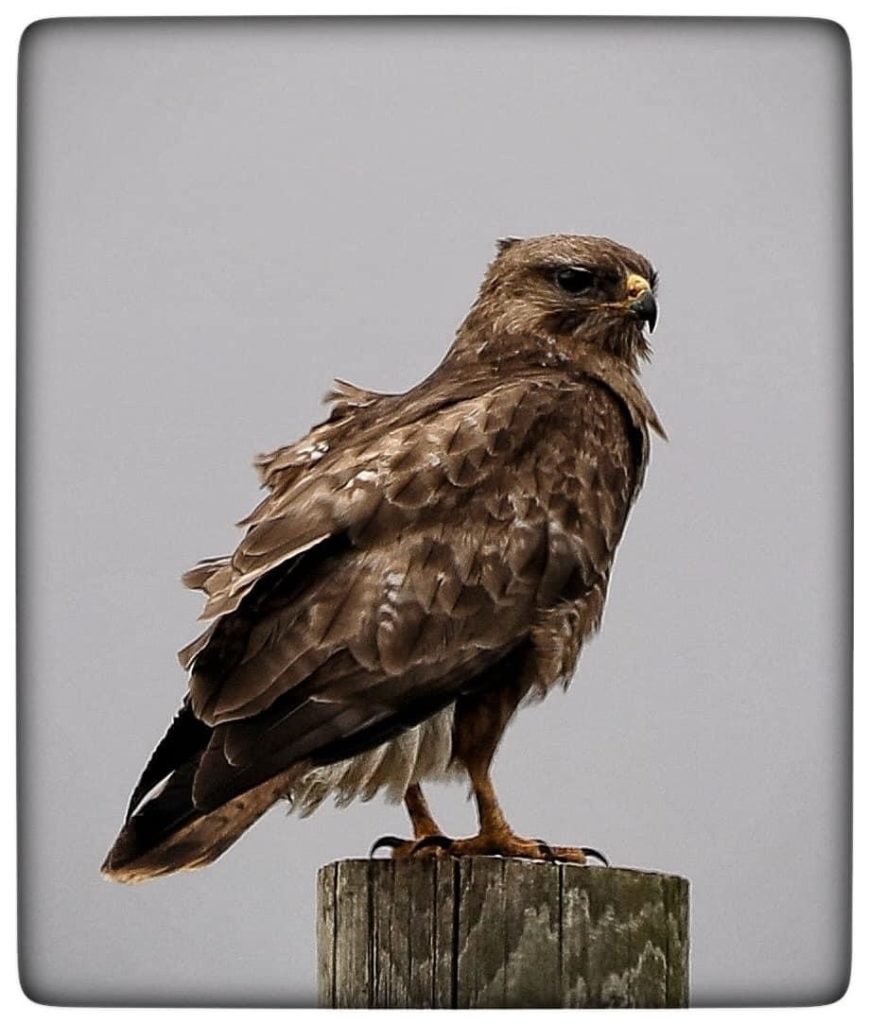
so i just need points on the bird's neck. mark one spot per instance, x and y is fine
(480, 341)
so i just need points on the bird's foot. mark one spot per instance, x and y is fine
(502, 844)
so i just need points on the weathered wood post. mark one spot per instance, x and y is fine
(488, 932)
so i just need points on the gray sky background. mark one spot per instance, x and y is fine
(217, 218)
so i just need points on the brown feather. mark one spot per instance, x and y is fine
(446, 548)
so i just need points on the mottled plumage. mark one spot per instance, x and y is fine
(420, 563)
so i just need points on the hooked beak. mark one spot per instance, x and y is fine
(645, 308)
(641, 301)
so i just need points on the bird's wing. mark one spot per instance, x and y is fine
(374, 589)
(278, 471)
(348, 402)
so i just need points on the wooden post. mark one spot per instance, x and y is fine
(489, 932)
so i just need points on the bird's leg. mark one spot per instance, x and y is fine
(494, 829)
(495, 837)
(424, 826)
(420, 815)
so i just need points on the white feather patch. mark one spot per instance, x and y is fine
(423, 752)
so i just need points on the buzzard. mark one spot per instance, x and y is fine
(420, 565)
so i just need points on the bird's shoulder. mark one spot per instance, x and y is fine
(364, 423)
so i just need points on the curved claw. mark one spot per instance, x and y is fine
(547, 850)
(589, 851)
(393, 842)
(442, 842)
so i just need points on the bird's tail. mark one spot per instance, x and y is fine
(164, 831)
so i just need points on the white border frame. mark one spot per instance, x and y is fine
(14, 18)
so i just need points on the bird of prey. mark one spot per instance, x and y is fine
(421, 564)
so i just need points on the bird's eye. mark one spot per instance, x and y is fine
(574, 280)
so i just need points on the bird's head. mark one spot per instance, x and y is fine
(562, 291)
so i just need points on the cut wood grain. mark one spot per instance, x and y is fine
(488, 932)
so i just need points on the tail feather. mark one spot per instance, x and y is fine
(195, 841)
(164, 830)
(185, 739)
